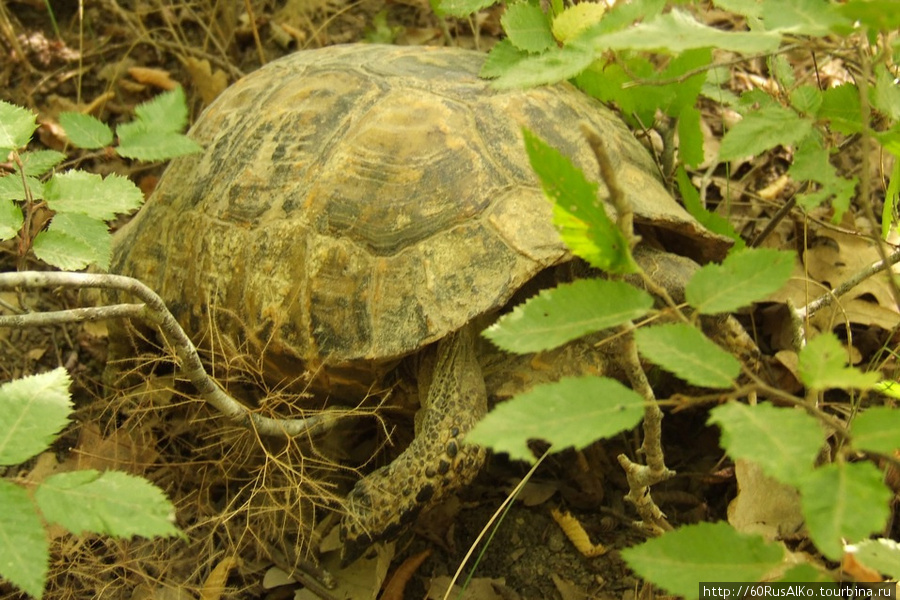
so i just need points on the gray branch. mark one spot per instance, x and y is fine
(154, 311)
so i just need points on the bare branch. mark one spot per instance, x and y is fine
(154, 311)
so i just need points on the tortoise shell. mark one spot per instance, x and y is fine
(358, 202)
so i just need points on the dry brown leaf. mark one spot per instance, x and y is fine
(205, 81)
(763, 505)
(158, 78)
(214, 586)
(568, 590)
(395, 588)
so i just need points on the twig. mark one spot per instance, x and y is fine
(154, 311)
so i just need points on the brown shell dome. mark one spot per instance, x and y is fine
(358, 202)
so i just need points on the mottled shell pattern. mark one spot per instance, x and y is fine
(358, 202)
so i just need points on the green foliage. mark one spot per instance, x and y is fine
(684, 350)
(81, 203)
(33, 410)
(568, 312)
(571, 412)
(609, 56)
(823, 365)
(680, 559)
(785, 442)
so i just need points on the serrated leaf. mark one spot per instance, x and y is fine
(552, 66)
(24, 550)
(823, 365)
(33, 410)
(571, 412)
(155, 145)
(801, 17)
(881, 555)
(16, 127)
(11, 187)
(166, 112)
(574, 20)
(762, 130)
(684, 351)
(677, 31)
(877, 429)
(80, 232)
(886, 94)
(463, 8)
(578, 213)
(567, 312)
(678, 559)
(86, 131)
(91, 195)
(807, 99)
(840, 105)
(742, 278)
(500, 59)
(11, 219)
(38, 162)
(784, 442)
(527, 27)
(843, 501)
(111, 502)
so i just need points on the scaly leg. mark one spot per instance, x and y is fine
(435, 463)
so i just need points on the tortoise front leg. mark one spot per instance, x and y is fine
(435, 463)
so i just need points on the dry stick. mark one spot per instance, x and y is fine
(640, 477)
(799, 315)
(154, 311)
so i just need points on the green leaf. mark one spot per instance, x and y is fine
(33, 410)
(782, 70)
(463, 8)
(155, 145)
(40, 161)
(11, 187)
(690, 137)
(167, 112)
(112, 502)
(712, 221)
(77, 241)
(569, 311)
(877, 429)
(823, 365)
(880, 15)
(571, 412)
(574, 20)
(578, 212)
(844, 501)
(840, 106)
(807, 99)
(882, 555)
(886, 94)
(684, 351)
(678, 559)
(16, 126)
(677, 31)
(11, 219)
(24, 550)
(74, 241)
(742, 278)
(554, 65)
(527, 27)
(91, 195)
(762, 130)
(801, 17)
(784, 442)
(502, 57)
(86, 131)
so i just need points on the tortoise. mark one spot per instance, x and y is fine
(359, 204)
